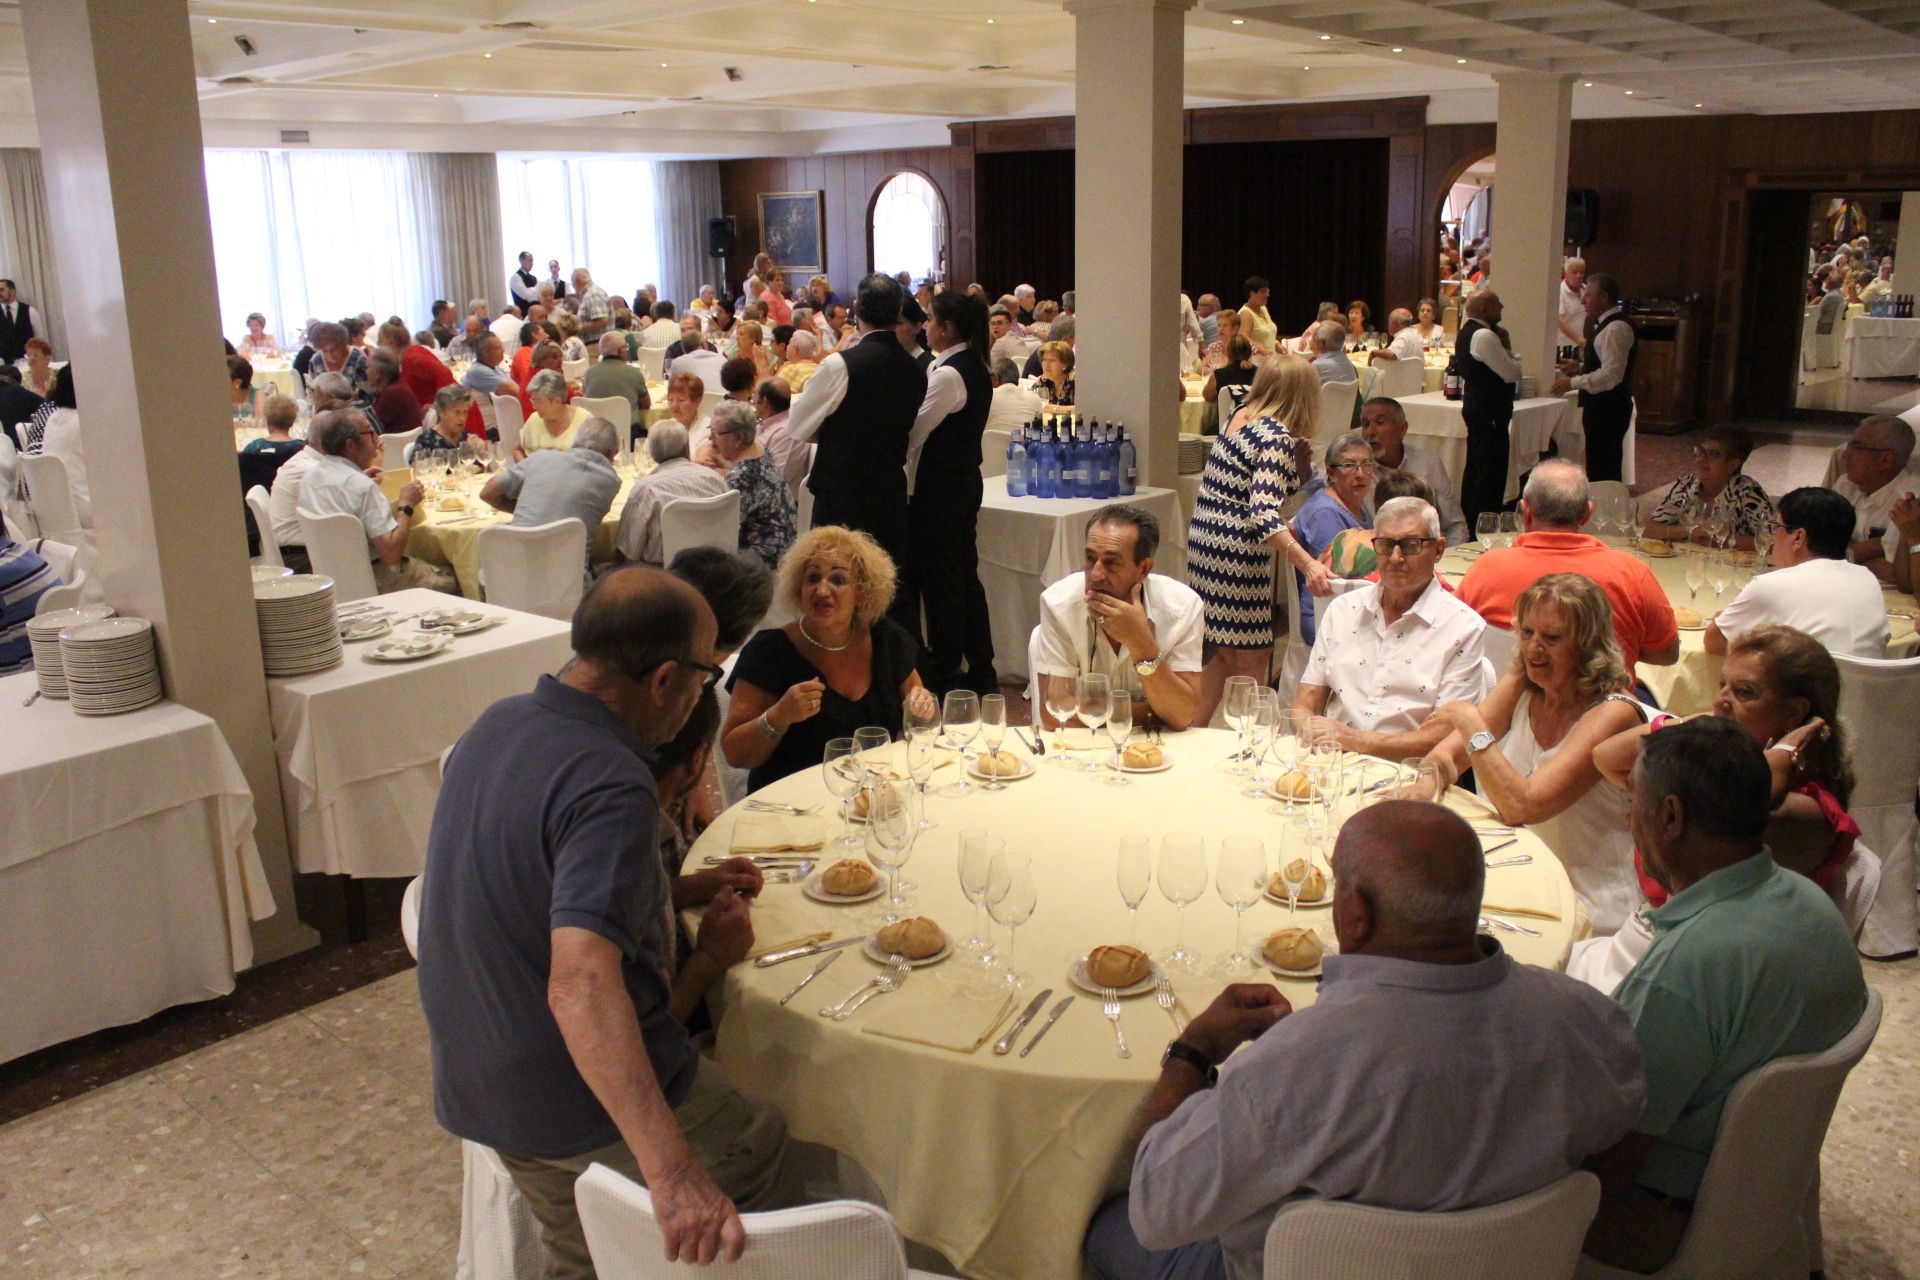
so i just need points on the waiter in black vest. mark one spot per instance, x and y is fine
(16, 323)
(945, 507)
(1603, 376)
(1483, 357)
(858, 410)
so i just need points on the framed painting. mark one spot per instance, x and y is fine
(790, 230)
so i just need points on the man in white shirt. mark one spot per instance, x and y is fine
(523, 283)
(1117, 619)
(1881, 286)
(1604, 378)
(638, 539)
(1013, 405)
(1404, 338)
(338, 484)
(1385, 656)
(663, 330)
(1573, 311)
(1814, 589)
(1877, 453)
(1384, 424)
(1330, 353)
(507, 329)
(325, 391)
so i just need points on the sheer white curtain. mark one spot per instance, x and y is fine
(26, 243)
(907, 222)
(597, 212)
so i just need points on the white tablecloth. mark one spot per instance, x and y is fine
(128, 871)
(1434, 423)
(1027, 544)
(1883, 347)
(360, 744)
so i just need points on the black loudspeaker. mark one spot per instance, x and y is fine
(720, 237)
(1583, 215)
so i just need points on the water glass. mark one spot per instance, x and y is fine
(1096, 702)
(839, 767)
(1487, 529)
(1119, 726)
(1696, 572)
(872, 743)
(1011, 898)
(921, 729)
(977, 850)
(1236, 700)
(1262, 723)
(1240, 879)
(1182, 876)
(993, 732)
(1063, 704)
(890, 833)
(960, 716)
(1134, 875)
(1509, 527)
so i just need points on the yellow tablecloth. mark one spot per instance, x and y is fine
(274, 375)
(452, 538)
(998, 1161)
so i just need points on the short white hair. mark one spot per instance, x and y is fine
(803, 344)
(1330, 335)
(1573, 262)
(666, 441)
(1408, 508)
(1023, 291)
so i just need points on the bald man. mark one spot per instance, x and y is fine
(1433, 1073)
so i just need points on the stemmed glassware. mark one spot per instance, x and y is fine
(871, 740)
(1295, 833)
(1289, 745)
(1240, 879)
(1063, 704)
(839, 766)
(993, 732)
(890, 833)
(1182, 876)
(1696, 572)
(1011, 897)
(977, 850)
(1762, 548)
(1487, 529)
(1720, 568)
(1509, 527)
(1096, 701)
(922, 733)
(1262, 723)
(1119, 726)
(1236, 697)
(1134, 874)
(961, 719)
(1419, 780)
(1323, 775)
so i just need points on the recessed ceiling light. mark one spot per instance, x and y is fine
(211, 21)
(1239, 22)
(1326, 37)
(1586, 84)
(663, 66)
(1629, 93)
(1399, 50)
(989, 21)
(1699, 104)
(1306, 68)
(486, 55)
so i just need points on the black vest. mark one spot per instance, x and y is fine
(14, 333)
(1620, 396)
(953, 447)
(862, 445)
(1485, 391)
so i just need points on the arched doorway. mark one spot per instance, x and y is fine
(907, 227)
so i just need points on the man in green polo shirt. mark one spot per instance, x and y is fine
(1750, 962)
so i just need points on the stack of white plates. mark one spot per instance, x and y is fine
(110, 666)
(298, 631)
(43, 634)
(1193, 454)
(269, 572)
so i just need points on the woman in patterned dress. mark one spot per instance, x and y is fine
(766, 507)
(1255, 465)
(1734, 500)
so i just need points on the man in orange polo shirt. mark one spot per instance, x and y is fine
(1554, 507)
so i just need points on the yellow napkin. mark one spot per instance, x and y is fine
(957, 1025)
(755, 832)
(1519, 891)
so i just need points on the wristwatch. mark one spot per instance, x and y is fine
(406, 509)
(1148, 666)
(1479, 742)
(1179, 1052)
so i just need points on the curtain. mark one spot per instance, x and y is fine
(597, 212)
(457, 203)
(1026, 233)
(908, 227)
(26, 244)
(687, 195)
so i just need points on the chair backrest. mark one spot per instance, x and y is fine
(50, 494)
(1294, 650)
(1227, 402)
(1879, 705)
(257, 498)
(410, 917)
(1857, 885)
(993, 452)
(1498, 646)
(1765, 1157)
(1336, 411)
(9, 462)
(337, 546)
(710, 401)
(1398, 378)
(67, 595)
(485, 405)
(700, 522)
(1537, 1236)
(393, 448)
(535, 568)
(1832, 307)
(615, 409)
(507, 420)
(652, 362)
(838, 1240)
(573, 370)
(1033, 675)
(1649, 502)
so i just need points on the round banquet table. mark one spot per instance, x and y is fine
(452, 537)
(999, 1161)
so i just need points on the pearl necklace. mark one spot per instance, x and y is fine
(830, 648)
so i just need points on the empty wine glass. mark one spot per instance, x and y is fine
(1134, 876)
(1261, 722)
(1182, 877)
(1063, 704)
(1119, 726)
(839, 767)
(1011, 898)
(1509, 527)
(1096, 701)
(977, 849)
(960, 715)
(1289, 745)
(872, 743)
(1236, 697)
(1696, 573)
(993, 732)
(1487, 529)
(1324, 775)
(1240, 879)
(921, 729)
(890, 833)
(1719, 568)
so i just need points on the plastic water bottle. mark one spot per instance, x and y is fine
(1126, 465)
(1106, 482)
(1082, 461)
(1046, 467)
(1016, 466)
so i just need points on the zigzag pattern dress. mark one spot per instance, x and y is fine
(1249, 473)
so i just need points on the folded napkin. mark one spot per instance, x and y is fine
(1524, 890)
(959, 1025)
(756, 832)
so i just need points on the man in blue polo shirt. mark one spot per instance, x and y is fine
(547, 968)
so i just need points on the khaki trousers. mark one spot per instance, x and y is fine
(414, 573)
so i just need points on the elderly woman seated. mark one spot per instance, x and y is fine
(1343, 504)
(840, 666)
(258, 344)
(445, 438)
(685, 391)
(1530, 744)
(766, 508)
(1715, 496)
(1056, 373)
(553, 420)
(277, 414)
(803, 359)
(1218, 352)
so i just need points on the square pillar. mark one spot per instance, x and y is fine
(1530, 210)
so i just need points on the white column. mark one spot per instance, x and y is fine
(1129, 58)
(1906, 266)
(114, 91)
(1530, 211)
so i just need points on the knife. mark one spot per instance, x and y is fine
(1052, 1017)
(1004, 1045)
(811, 949)
(815, 972)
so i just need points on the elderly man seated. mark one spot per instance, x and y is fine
(1118, 620)
(1432, 1074)
(803, 359)
(1813, 589)
(1330, 353)
(557, 484)
(1875, 456)
(388, 402)
(674, 476)
(1387, 654)
(1013, 406)
(1384, 425)
(338, 484)
(1405, 343)
(1750, 962)
(616, 376)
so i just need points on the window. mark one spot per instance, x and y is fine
(596, 212)
(909, 227)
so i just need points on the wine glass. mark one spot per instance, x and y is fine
(1063, 704)
(1011, 898)
(1487, 529)
(1240, 879)
(1289, 744)
(977, 849)
(1323, 774)
(1182, 876)
(921, 729)
(1134, 876)
(1261, 721)
(838, 765)
(1119, 727)
(890, 833)
(993, 732)
(1096, 701)
(1762, 548)
(1509, 527)
(1719, 568)
(1236, 696)
(871, 740)
(1696, 572)
(960, 714)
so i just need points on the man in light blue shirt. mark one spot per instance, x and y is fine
(558, 484)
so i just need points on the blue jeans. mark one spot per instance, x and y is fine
(1114, 1253)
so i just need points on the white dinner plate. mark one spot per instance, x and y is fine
(294, 586)
(1165, 764)
(1328, 946)
(1077, 975)
(875, 954)
(1280, 897)
(458, 622)
(1026, 771)
(406, 649)
(355, 632)
(811, 887)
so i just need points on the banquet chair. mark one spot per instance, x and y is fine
(67, 595)
(1536, 1235)
(1757, 1215)
(337, 546)
(1337, 403)
(700, 522)
(838, 1240)
(269, 545)
(1880, 704)
(1649, 502)
(708, 403)
(1293, 650)
(804, 518)
(50, 495)
(535, 568)
(1499, 647)
(615, 409)
(507, 420)
(652, 362)
(394, 445)
(1033, 674)
(573, 370)
(993, 452)
(1227, 402)
(1856, 887)
(1397, 378)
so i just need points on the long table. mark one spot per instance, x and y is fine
(1435, 423)
(128, 872)
(1883, 347)
(996, 1161)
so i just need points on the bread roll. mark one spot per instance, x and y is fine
(1295, 784)
(864, 797)
(1001, 764)
(1685, 617)
(1143, 755)
(916, 938)
(1313, 888)
(1656, 546)
(848, 876)
(453, 502)
(1293, 949)
(1117, 966)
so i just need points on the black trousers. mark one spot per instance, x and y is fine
(1483, 482)
(883, 517)
(1606, 426)
(944, 573)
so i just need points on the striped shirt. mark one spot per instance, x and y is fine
(24, 577)
(639, 535)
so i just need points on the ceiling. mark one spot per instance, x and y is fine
(756, 77)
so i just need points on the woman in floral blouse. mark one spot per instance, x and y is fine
(766, 507)
(1734, 501)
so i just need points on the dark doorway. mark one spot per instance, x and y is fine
(1776, 271)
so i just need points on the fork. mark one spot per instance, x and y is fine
(1490, 923)
(889, 981)
(1110, 1005)
(1163, 992)
(768, 806)
(1517, 860)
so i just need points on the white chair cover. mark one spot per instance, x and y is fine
(1879, 705)
(615, 409)
(1293, 650)
(1499, 646)
(1537, 1236)
(573, 370)
(700, 522)
(50, 494)
(652, 362)
(708, 402)
(257, 498)
(1751, 1220)
(1398, 378)
(67, 595)
(1033, 676)
(507, 420)
(535, 568)
(1857, 886)
(337, 546)
(993, 452)
(394, 445)
(1336, 411)
(485, 404)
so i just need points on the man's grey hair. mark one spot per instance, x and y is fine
(666, 441)
(1066, 301)
(612, 347)
(1394, 509)
(383, 360)
(735, 418)
(1061, 330)
(1344, 442)
(598, 435)
(1023, 291)
(1005, 371)
(802, 344)
(1399, 316)
(1572, 262)
(1145, 525)
(1330, 335)
(1394, 408)
(1889, 432)
(335, 386)
(544, 290)
(332, 430)
(548, 385)
(477, 304)
(1557, 493)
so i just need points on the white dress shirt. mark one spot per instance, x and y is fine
(1573, 314)
(1013, 407)
(660, 333)
(1406, 345)
(507, 329)
(824, 392)
(1837, 603)
(1613, 343)
(283, 500)
(1490, 351)
(638, 537)
(1871, 510)
(702, 364)
(1389, 678)
(946, 394)
(1070, 645)
(334, 486)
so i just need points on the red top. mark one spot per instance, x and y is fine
(1642, 614)
(424, 373)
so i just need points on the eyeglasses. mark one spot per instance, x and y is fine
(1854, 446)
(1710, 455)
(712, 673)
(1354, 466)
(1408, 547)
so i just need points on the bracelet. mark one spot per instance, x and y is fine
(1781, 746)
(767, 727)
